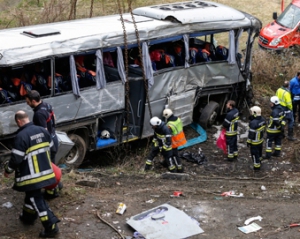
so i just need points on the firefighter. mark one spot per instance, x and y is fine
(178, 137)
(30, 159)
(231, 125)
(161, 143)
(285, 99)
(275, 128)
(255, 139)
(44, 116)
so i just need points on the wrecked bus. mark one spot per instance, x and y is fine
(284, 31)
(191, 57)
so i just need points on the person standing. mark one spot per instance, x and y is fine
(161, 143)
(255, 139)
(30, 159)
(178, 137)
(275, 128)
(231, 125)
(285, 99)
(44, 116)
(295, 93)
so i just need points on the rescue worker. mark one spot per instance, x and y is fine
(285, 99)
(32, 146)
(255, 139)
(231, 125)
(275, 128)
(178, 137)
(161, 143)
(44, 116)
(295, 91)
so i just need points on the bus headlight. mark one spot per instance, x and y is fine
(275, 41)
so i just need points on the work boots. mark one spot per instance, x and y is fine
(291, 135)
(50, 232)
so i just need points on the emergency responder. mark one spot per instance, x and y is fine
(295, 91)
(255, 139)
(33, 171)
(275, 128)
(285, 99)
(161, 143)
(231, 125)
(44, 116)
(178, 137)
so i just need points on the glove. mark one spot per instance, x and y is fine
(155, 142)
(248, 145)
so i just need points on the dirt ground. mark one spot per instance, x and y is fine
(89, 192)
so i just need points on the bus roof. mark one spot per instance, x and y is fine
(31, 43)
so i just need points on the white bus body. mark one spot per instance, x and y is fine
(187, 67)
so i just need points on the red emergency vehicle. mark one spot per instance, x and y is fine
(284, 31)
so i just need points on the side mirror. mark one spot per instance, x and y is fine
(274, 15)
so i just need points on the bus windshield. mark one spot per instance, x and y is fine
(290, 17)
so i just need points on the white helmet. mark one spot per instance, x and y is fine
(105, 134)
(167, 113)
(255, 110)
(274, 100)
(155, 121)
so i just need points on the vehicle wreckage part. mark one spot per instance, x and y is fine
(201, 138)
(76, 155)
(209, 114)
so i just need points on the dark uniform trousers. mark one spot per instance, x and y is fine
(232, 150)
(166, 154)
(276, 138)
(35, 206)
(256, 154)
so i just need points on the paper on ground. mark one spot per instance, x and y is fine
(253, 227)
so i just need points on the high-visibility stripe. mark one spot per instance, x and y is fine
(35, 180)
(18, 152)
(35, 164)
(43, 219)
(34, 175)
(37, 146)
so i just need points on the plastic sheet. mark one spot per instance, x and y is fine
(221, 141)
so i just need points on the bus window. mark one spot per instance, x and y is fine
(85, 66)
(62, 79)
(41, 76)
(15, 82)
(241, 48)
(221, 42)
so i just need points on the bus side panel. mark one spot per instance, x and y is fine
(91, 102)
(7, 119)
(157, 108)
(67, 108)
(184, 79)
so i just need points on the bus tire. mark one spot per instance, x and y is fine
(209, 114)
(76, 155)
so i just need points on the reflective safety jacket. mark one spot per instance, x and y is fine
(285, 98)
(162, 137)
(276, 120)
(30, 159)
(257, 127)
(178, 137)
(231, 122)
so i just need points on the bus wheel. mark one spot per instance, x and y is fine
(76, 155)
(209, 114)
